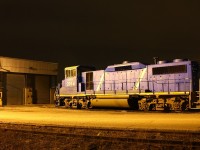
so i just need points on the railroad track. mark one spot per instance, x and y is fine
(97, 138)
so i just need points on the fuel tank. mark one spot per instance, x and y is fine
(110, 103)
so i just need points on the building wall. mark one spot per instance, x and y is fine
(25, 82)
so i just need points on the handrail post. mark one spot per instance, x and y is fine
(168, 86)
(153, 86)
(199, 89)
(190, 97)
(104, 83)
(85, 87)
(139, 85)
(185, 85)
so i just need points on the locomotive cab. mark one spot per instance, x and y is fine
(73, 78)
(70, 81)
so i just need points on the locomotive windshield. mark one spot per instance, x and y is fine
(70, 73)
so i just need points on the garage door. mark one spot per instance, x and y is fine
(15, 85)
(42, 89)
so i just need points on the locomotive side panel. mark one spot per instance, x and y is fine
(170, 77)
(94, 81)
(140, 83)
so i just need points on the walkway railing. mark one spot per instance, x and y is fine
(138, 86)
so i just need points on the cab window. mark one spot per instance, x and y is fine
(70, 73)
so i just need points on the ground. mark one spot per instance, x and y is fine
(48, 127)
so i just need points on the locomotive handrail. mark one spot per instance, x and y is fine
(122, 85)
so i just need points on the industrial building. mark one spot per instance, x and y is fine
(24, 82)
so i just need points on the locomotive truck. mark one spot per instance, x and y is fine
(164, 85)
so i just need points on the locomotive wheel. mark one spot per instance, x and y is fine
(152, 107)
(167, 107)
(185, 106)
(144, 107)
(134, 102)
(79, 105)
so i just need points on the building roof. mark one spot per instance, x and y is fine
(17, 65)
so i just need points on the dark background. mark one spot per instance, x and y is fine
(99, 32)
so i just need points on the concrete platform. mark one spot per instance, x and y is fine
(115, 119)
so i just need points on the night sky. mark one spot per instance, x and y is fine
(99, 32)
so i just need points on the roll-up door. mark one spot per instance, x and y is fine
(42, 89)
(15, 85)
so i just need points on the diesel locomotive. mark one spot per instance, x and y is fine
(163, 85)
